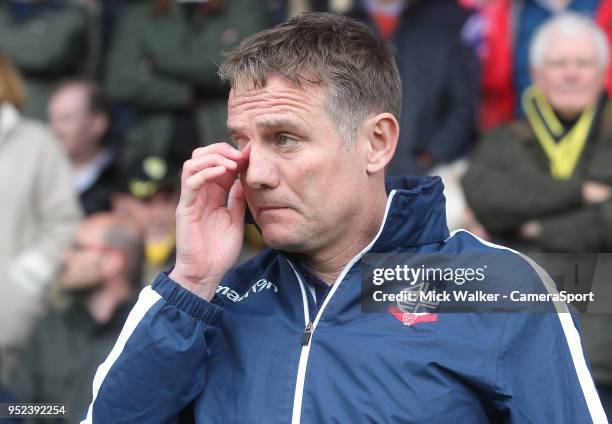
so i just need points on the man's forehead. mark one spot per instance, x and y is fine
(275, 89)
(278, 96)
(74, 97)
(582, 44)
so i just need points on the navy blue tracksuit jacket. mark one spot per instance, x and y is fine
(261, 353)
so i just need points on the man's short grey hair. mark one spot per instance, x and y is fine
(567, 23)
(357, 68)
(126, 238)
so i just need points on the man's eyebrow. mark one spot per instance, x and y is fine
(270, 124)
(234, 129)
(284, 124)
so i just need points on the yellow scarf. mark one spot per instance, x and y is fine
(563, 154)
(157, 252)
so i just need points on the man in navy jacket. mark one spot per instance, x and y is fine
(313, 111)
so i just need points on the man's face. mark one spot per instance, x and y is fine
(570, 76)
(74, 125)
(82, 266)
(302, 186)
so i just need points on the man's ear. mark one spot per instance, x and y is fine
(382, 133)
(536, 75)
(114, 263)
(100, 124)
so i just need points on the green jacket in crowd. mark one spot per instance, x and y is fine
(164, 65)
(509, 183)
(48, 41)
(61, 359)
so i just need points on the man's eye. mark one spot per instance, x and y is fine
(240, 143)
(558, 63)
(586, 63)
(286, 141)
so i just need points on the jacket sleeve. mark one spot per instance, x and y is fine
(582, 230)
(506, 187)
(56, 200)
(542, 373)
(156, 367)
(57, 208)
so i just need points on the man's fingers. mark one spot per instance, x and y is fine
(194, 166)
(197, 164)
(218, 148)
(219, 162)
(236, 203)
(192, 184)
(243, 161)
(241, 157)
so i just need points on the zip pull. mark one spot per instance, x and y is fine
(307, 334)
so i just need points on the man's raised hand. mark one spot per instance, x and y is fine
(209, 217)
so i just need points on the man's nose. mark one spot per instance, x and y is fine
(261, 172)
(571, 73)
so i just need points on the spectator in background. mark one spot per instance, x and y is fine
(101, 277)
(440, 74)
(39, 214)
(147, 193)
(47, 40)
(502, 30)
(78, 116)
(531, 15)
(163, 64)
(545, 182)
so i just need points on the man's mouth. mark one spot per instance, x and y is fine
(270, 208)
(571, 89)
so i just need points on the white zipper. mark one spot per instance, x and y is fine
(309, 327)
(301, 374)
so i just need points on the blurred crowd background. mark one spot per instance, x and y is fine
(101, 101)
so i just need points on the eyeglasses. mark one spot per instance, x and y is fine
(77, 246)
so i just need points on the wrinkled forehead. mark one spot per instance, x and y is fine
(277, 96)
(304, 86)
